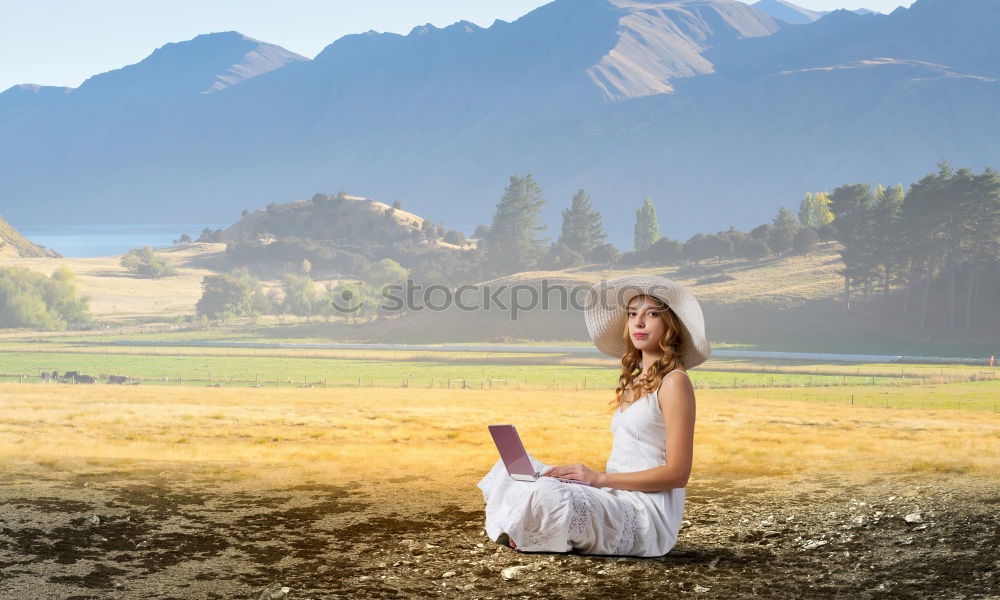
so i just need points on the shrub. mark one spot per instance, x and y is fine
(665, 251)
(28, 299)
(605, 253)
(144, 263)
(231, 295)
(561, 256)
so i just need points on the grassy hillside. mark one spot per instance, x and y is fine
(13, 244)
(790, 303)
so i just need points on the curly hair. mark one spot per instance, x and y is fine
(632, 378)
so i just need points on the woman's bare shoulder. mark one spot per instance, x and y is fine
(674, 386)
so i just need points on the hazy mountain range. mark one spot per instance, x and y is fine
(715, 109)
(796, 15)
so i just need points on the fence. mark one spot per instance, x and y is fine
(701, 380)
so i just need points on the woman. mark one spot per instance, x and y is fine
(635, 507)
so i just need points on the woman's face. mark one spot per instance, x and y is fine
(646, 324)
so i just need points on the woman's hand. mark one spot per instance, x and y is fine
(578, 472)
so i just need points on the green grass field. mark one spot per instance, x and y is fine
(868, 384)
(173, 366)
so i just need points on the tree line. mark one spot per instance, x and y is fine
(938, 242)
(228, 296)
(514, 241)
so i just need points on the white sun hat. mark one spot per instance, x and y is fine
(607, 311)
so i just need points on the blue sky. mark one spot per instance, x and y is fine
(62, 42)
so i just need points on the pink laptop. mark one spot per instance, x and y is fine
(515, 458)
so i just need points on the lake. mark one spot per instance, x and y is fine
(88, 241)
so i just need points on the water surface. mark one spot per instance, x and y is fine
(88, 241)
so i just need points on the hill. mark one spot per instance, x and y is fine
(13, 244)
(350, 221)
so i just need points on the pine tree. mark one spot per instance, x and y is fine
(511, 242)
(921, 226)
(851, 205)
(886, 233)
(784, 219)
(983, 212)
(582, 226)
(647, 228)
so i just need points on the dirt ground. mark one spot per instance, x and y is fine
(175, 534)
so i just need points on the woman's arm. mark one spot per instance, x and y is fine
(676, 400)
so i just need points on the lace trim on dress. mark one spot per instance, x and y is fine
(580, 514)
(630, 532)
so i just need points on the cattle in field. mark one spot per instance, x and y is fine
(76, 377)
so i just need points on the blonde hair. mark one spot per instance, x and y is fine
(632, 377)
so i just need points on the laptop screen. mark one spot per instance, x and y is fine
(515, 458)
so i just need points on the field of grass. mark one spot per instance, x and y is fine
(338, 368)
(332, 434)
(116, 295)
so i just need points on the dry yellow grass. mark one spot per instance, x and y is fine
(437, 439)
(116, 294)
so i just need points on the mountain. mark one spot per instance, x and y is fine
(788, 12)
(205, 64)
(714, 109)
(797, 15)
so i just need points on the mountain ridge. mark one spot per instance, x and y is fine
(441, 117)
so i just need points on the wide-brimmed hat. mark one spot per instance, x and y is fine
(607, 311)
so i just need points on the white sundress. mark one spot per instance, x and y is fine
(550, 516)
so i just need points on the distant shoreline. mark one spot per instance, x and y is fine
(97, 240)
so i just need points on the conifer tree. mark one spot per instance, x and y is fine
(647, 228)
(582, 226)
(784, 219)
(851, 204)
(512, 244)
(983, 214)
